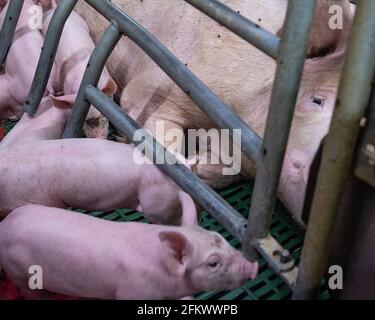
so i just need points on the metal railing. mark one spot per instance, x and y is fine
(268, 154)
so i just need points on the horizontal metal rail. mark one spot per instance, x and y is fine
(289, 71)
(227, 216)
(339, 149)
(94, 69)
(216, 110)
(48, 55)
(9, 27)
(246, 29)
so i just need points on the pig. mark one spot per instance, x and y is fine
(72, 58)
(2, 4)
(91, 174)
(48, 124)
(88, 257)
(241, 75)
(16, 80)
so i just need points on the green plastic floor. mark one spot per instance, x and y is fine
(268, 285)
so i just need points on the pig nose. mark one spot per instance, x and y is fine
(251, 270)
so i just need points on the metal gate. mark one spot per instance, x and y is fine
(268, 154)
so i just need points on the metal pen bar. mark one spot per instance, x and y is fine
(228, 217)
(8, 28)
(48, 54)
(216, 110)
(94, 69)
(284, 95)
(246, 29)
(201, 192)
(352, 100)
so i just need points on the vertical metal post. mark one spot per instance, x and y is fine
(94, 69)
(48, 54)
(352, 100)
(8, 28)
(289, 71)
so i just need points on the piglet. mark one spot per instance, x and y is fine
(48, 124)
(91, 174)
(92, 258)
(72, 58)
(20, 65)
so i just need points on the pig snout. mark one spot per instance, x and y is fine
(242, 270)
(96, 127)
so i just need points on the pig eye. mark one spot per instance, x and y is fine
(318, 101)
(214, 264)
(320, 52)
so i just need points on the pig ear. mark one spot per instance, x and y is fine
(327, 33)
(330, 28)
(110, 87)
(176, 252)
(63, 102)
(189, 211)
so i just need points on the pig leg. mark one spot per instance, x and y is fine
(9, 108)
(189, 211)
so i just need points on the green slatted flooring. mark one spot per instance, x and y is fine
(267, 286)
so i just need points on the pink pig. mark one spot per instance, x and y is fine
(49, 123)
(19, 71)
(90, 174)
(72, 57)
(92, 258)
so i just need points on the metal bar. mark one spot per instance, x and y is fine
(352, 100)
(284, 95)
(94, 69)
(216, 110)
(9, 27)
(48, 54)
(231, 220)
(365, 162)
(215, 205)
(246, 29)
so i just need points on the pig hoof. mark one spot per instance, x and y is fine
(121, 139)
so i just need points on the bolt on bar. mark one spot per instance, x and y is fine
(246, 29)
(8, 28)
(94, 69)
(216, 110)
(48, 54)
(231, 220)
(284, 95)
(352, 100)
(200, 191)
